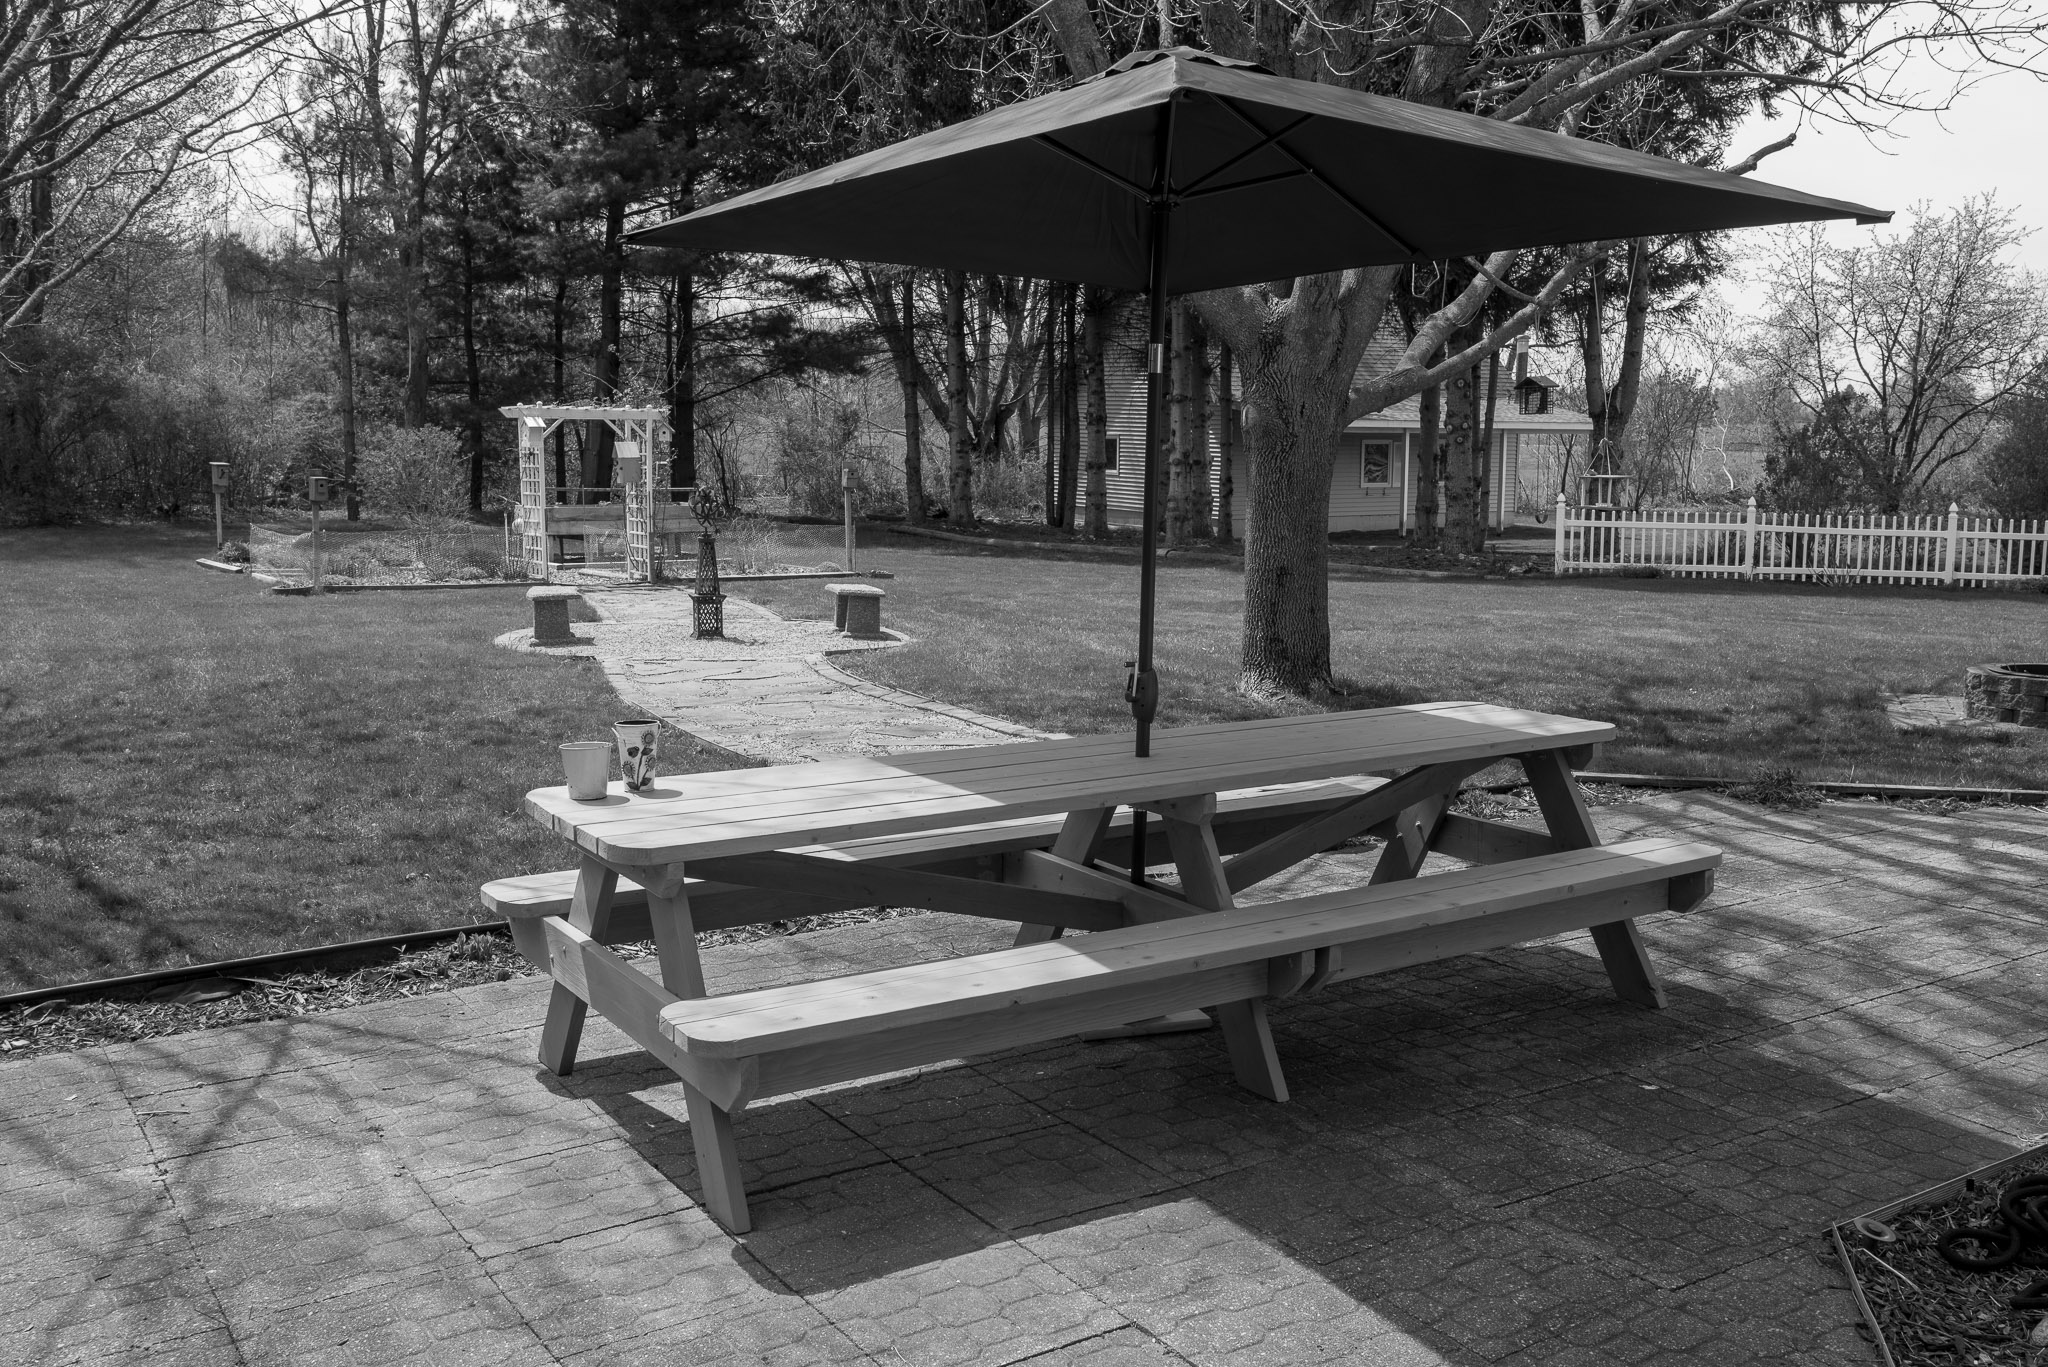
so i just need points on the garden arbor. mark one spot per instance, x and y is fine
(545, 520)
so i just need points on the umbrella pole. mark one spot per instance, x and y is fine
(1143, 691)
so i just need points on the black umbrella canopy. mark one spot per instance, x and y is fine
(1180, 171)
(1270, 178)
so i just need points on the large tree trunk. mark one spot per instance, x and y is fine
(1429, 467)
(558, 338)
(1464, 465)
(960, 485)
(1227, 446)
(597, 452)
(682, 403)
(1094, 415)
(344, 341)
(1201, 499)
(1295, 413)
(1180, 428)
(1611, 405)
(472, 369)
(913, 416)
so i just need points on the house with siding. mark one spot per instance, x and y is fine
(1372, 488)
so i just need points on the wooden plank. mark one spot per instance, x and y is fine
(864, 1003)
(1198, 935)
(685, 817)
(1216, 764)
(1478, 841)
(1333, 828)
(849, 1058)
(547, 894)
(634, 1003)
(867, 885)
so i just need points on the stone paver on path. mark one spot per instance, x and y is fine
(1488, 1160)
(768, 691)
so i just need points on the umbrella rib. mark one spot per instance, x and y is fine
(1319, 178)
(1070, 154)
(1187, 191)
(1295, 174)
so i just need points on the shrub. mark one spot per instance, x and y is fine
(416, 470)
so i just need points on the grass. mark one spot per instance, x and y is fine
(1700, 677)
(193, 769)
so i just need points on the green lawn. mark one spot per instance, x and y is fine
(1701, 677)
(192, 768)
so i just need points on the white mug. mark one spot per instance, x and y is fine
(587, 764)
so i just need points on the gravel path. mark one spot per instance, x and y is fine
(769, 690)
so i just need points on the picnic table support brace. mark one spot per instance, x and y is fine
(1571, 825)
(1080, 840)
(591, 913)
(1246, 1033)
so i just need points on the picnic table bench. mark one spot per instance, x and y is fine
(1236, 804)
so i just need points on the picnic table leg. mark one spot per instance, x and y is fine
(1245, 1032)
(718, 1161)
(682, 973)
(1080, 839)
(1571, 826)
(590, 911)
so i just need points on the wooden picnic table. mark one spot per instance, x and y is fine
(1029, 833)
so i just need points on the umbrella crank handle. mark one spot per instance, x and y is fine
(1141, 691)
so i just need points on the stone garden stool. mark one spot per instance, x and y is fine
(551, 615)
(857, 610)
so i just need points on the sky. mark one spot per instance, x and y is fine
(1992, 140)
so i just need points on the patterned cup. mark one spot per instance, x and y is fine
(639, 740)
(587, 764)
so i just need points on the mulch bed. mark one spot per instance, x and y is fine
(125, 1014)
(1933, 1313)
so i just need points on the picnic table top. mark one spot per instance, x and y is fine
(748, 811)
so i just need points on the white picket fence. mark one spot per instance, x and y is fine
(1830, 547)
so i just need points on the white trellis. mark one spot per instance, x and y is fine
(639, 515)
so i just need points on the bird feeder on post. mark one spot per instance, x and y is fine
(218, 469)
(316, 494)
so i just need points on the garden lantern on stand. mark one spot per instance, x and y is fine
(707, 600)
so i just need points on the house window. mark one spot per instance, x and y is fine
(1376, 460)
(1109, 453)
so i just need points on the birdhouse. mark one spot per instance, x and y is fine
(1532, 394)
(316, 489)
(632, 465)
(219, 470)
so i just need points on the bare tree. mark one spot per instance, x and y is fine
(107, 107)
(1932, 323)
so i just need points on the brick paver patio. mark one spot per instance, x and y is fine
(1488, 1161)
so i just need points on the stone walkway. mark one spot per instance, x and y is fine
(770, 689)
(1488, 1161)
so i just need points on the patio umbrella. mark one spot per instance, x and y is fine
(1178, 170)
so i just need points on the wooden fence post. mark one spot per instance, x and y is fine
(1749, 539)
(1955, 545)
(1557, 555)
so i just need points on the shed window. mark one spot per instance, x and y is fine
(1375, 460)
